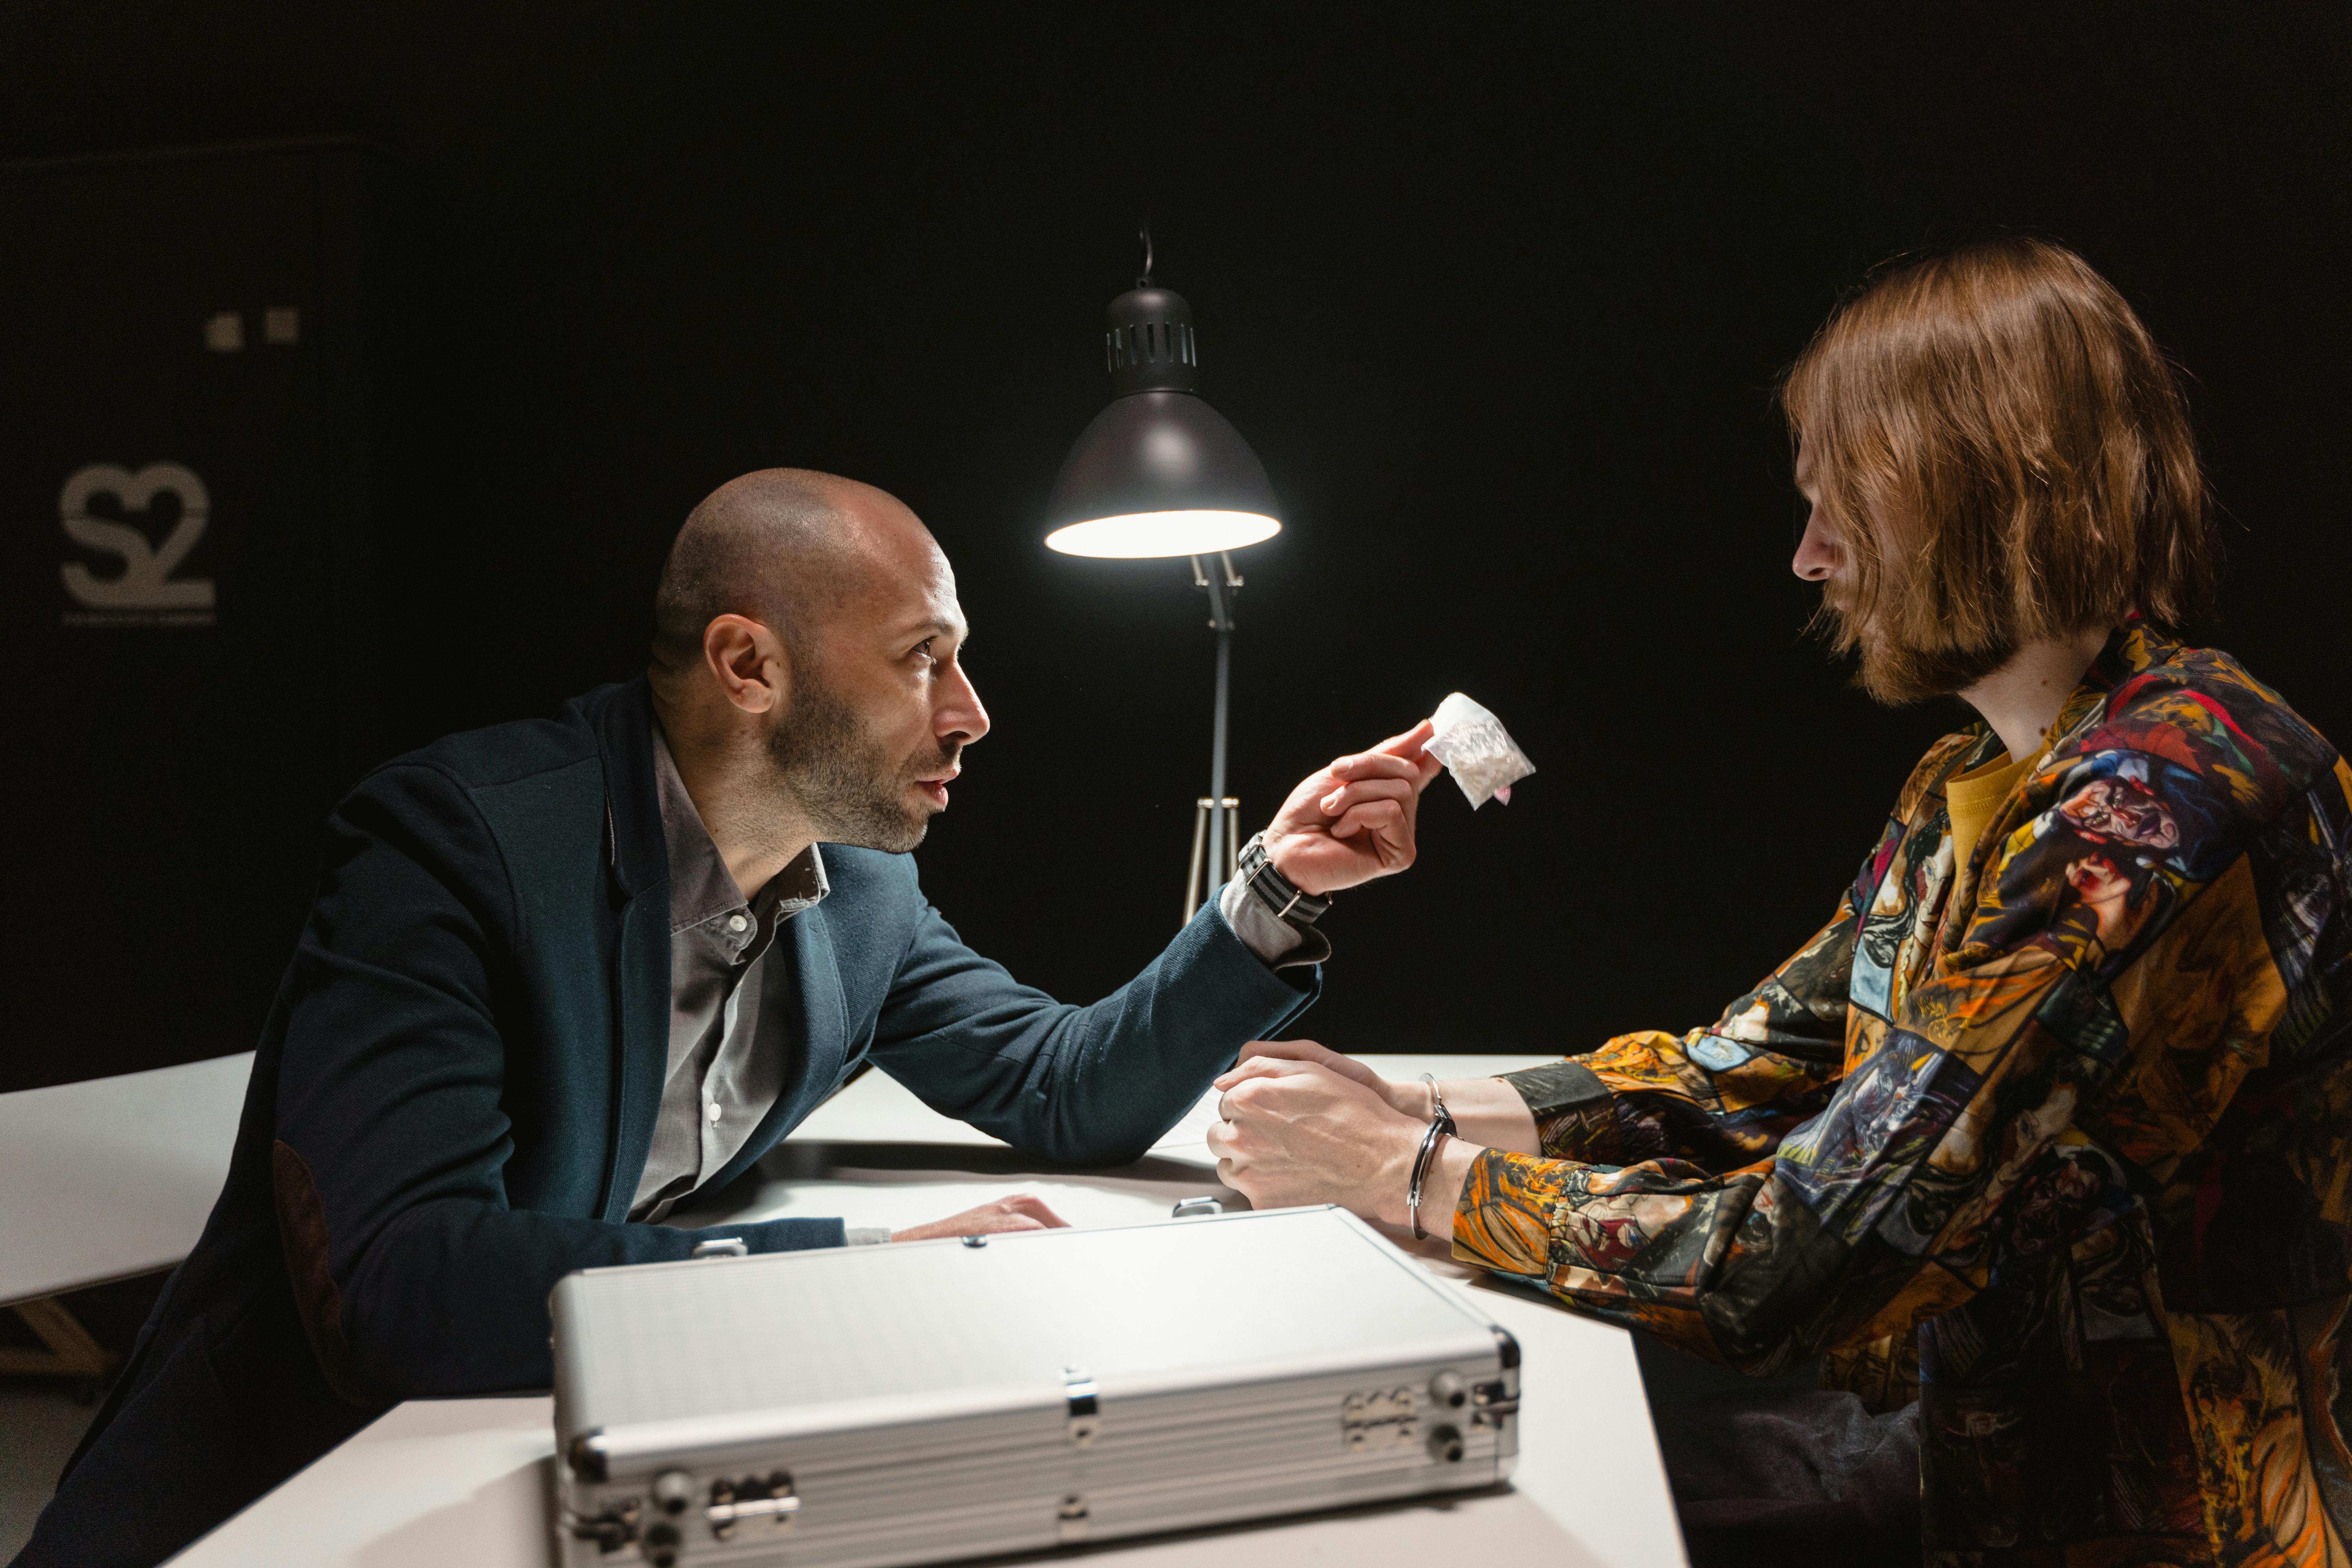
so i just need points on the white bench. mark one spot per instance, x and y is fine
(103, 1180)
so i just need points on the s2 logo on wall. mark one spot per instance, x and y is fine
(145, 594)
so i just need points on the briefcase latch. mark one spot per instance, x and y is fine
(611, 1530)
(1085, 1414)
(1381, 1420)
(764, 1504)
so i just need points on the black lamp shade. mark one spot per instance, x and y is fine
(1158, 472)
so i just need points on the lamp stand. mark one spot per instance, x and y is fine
(1202, 816)
(1216, 817)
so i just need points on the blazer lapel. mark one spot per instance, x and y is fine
(643, 1004)
(639, 864)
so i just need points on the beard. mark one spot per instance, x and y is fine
(1897, 673)
(850, 787)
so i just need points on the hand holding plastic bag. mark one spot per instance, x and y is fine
(1476, 748)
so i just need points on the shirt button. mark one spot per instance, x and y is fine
(711, 1110)
(737, 922)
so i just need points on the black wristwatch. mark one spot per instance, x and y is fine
(1276, 891)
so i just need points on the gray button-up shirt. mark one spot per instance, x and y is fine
(729, 1053)
(730, 1048)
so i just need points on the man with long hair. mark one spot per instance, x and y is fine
(2044, 1140)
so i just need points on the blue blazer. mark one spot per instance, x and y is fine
(457, 1087)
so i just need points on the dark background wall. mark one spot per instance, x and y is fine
(1498, 292)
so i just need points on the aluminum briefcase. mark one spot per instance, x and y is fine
(917, 1403)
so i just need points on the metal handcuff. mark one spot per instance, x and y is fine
(1440, 1127)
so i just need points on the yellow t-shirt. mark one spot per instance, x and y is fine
(1973, 796)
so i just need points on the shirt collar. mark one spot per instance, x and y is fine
(801, 884)
(701, 888)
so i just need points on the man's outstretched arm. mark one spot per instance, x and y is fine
(1097, 1085)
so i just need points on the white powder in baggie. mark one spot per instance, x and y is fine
(1474, 745)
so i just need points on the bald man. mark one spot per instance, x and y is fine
(565, 974)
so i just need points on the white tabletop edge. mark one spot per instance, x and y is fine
(448, 1480)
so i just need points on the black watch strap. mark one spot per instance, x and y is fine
(1276, 890)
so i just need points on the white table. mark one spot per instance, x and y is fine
(103, 1180)
(447, 1481)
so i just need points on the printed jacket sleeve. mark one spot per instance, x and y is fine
(1723, 1096)
(1717, 1096)
(2120, 909)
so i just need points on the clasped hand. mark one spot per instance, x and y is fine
(1302, 1124)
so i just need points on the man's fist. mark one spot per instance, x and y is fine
(1272, 1058)
(1353, 821)
(1307, 1134)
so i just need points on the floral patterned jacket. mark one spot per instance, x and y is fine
(2057, 1141)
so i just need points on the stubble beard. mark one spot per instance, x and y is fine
(1894, 673)
(847, 785)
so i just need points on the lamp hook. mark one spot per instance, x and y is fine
(1144, 234)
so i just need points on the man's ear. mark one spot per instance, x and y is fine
(748, 662)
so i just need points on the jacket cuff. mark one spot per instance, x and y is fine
(1277, 943)
(1575, 1112)
(794, 1235)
